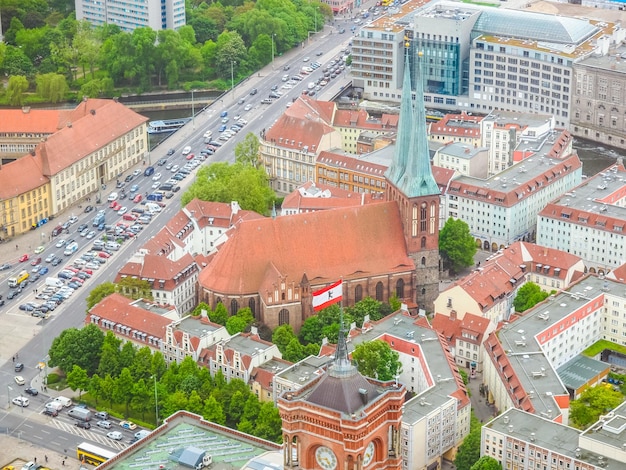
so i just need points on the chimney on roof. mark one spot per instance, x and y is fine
(453, 315)
(254, 331)
(93, 112)
(69, 124)
(26, 109)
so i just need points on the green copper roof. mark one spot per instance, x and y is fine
(403, 141)
(413, 175)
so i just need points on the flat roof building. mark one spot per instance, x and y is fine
(133, 14)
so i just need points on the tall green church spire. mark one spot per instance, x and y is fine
(405, 128)
(418, 179)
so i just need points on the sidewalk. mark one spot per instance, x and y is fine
(16, 452)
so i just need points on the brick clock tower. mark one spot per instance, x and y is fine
(410, 182)
(342, 420)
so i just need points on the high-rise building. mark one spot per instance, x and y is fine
(132, 14)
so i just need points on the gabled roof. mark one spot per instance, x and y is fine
(91, 126)
(32, 121)
(532, 255)
(303, 124)
(158, 268)
(21, 176)
(118, 309)
(325, 245)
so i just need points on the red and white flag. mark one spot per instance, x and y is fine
(328, 296)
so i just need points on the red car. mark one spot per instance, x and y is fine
(104, 255)
(88, 271)
(190, 156)
(35, 262)
(23, 258)
(138, 198)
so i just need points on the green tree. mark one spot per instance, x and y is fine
(199, 308)
(486, 463)
(367, 306)
(140, 400)
(18, 85)
(376, 359)
(268, 423)
(98, 293)
(123, 392)
(240, 322)
(95, 387)
(456, 245)
(213, 411)
(77, 379)
(592, 403)
(107, 387)
(282, 336)
(222, 182)
(134, 288)
(469, 450)
(294, 351)
(77, 347)
(110, 356)
(311, 330)
(529, 295)
(219, 315)
(247, 150)
(52, 87)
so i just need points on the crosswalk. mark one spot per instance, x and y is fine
(88, 434)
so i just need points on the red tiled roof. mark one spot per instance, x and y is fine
(159, 268)
(350, 162)
(304, 123)
(324, 245)
(118, 309)
(532, 255)
(618, 274)
(35, 121)
(92, 125)
(20, 176)
(457, 125)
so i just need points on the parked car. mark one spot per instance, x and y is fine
(128, 425)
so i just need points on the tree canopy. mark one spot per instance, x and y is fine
(376, 359)
(593, 402)
(223, 182)
(469, 451)
(529, 295)
(456, 245)
(486, 463)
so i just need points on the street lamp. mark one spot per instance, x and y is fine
(273, 49)
(193, 113)
(9, 394)
(156, 401)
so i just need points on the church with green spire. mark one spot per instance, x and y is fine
(410, 183)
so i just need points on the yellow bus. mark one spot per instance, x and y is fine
(94, 455)
(17, 280)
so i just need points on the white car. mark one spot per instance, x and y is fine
(136, 172)
(175, 168)
(156, 177)
(122, 211)
(115, 435)
(104, 424)
(21, 401)
(248, 107)
(73, 219)
(156, 184)
(61, 243)
(90, 235)
(94, 266)
(186, 150)
(112, 197)
(19, 380)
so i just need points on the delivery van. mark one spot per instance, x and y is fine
(54, 282)
(79, 413)
(54, 405)
(66, 402)
(153, 208)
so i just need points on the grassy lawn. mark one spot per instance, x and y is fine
(601, 345)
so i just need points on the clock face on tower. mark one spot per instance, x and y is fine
(368, 456)
(326, 458)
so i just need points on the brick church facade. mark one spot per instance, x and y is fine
(380, 250)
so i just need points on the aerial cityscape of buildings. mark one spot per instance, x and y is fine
(519, 86)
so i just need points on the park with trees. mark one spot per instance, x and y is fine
(49, 56)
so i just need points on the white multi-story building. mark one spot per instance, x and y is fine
(132, 14)
(521, 440)
(503, 208)
(463, 159)
(589, 220)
